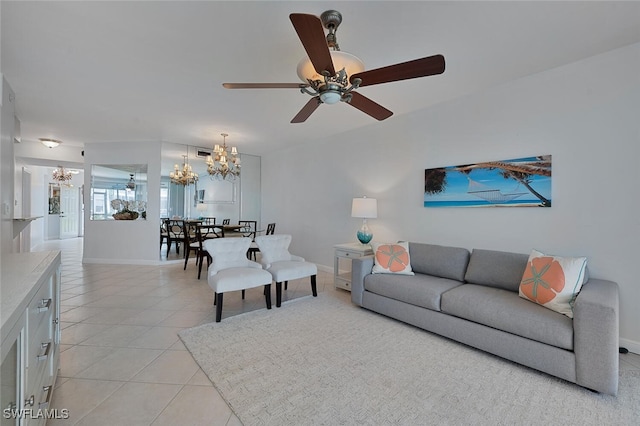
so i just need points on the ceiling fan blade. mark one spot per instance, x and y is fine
(307, 110)
(423, 67)
(311, 34)
(264, 85)
(367, 106)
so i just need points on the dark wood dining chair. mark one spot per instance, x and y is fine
(253, 248)
(203, 233)
(226, 221)
(208, 220)
(174, 234)
(271, 229)
(164, 234)
(248, 230)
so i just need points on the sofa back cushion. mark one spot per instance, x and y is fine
(442, 261)
(496, 269)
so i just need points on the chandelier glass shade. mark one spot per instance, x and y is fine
(184, 177)
(62, 176)
(351, 64)
(222, 163)
(331, 88)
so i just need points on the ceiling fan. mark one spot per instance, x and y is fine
(325, 84)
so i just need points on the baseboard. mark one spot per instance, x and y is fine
(324, 268)
(631, 345)
(125, 261)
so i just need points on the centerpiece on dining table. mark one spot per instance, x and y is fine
(128, 210)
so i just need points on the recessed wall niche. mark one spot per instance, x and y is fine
(118, 192)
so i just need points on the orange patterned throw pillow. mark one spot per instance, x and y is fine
(553, 281)
(391, 258)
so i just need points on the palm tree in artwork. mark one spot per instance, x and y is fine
(435, 180)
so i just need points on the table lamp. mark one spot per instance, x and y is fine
(365, 208)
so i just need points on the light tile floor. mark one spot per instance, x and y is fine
(121, 359)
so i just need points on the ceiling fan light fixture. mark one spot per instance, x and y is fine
(330, 97)
(341, 60)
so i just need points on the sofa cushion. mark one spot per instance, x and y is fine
(507, 311)
(440, 261)
(496, 269)
(553, 281)
(391, 258)
(420, 290)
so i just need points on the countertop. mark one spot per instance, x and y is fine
(20, 276)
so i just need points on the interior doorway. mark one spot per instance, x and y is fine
(69, 212)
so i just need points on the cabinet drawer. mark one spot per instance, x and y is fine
(38, 351)
(344, 253)
(40, 307)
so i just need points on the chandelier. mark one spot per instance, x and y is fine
(222, 165)
(62, 176)
(186, 176)
(132, 183)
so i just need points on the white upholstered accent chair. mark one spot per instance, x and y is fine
(230, 270)
(282, 265)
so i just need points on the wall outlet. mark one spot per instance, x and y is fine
(5, 209)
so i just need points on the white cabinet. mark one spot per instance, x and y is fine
(342, 262)
(30, 335)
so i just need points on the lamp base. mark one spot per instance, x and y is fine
(364, 236)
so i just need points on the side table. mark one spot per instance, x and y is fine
(342, 262)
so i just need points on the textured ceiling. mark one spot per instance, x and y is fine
(87, 72)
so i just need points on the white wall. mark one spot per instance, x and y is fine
(7, 108)
(124, 241)
(585, 114)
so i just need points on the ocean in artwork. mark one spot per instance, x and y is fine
(521, 182)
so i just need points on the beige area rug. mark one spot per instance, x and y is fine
(323, 361)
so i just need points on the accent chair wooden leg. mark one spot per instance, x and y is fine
(267, 295)
(278, 294)
(215, 296)
(201, 258)
(313, 286)
(242, 294)
(286, 285)
(219, 307)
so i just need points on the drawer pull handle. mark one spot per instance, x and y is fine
(30, 401)
(45, 355)
(47, 389)
(44, 305)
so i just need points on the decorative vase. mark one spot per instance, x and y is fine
(129, 215)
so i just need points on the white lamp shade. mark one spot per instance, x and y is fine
(366, 208)
(351, 64)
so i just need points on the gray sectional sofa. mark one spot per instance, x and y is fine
(473, 298)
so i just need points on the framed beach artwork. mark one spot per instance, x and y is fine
(521, 182)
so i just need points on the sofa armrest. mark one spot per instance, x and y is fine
(596, 336)
(360, 267)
